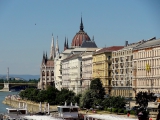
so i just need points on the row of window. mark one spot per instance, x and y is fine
(147, 53)
(122, 52)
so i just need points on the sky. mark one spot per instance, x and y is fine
(26, 27)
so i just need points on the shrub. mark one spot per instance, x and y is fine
(109, 109)
(120, 111)
(106, 109)
(125, 111)
(132, 112)
(115, 110)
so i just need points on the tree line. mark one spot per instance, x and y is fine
(19, 81)
(91, 98)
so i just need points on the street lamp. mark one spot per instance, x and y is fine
(129, 92)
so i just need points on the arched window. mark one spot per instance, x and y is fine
(47, 73)
(52, 73)
(43, 73)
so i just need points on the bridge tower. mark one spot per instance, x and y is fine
(6, 84)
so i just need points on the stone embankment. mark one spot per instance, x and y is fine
(14, 101)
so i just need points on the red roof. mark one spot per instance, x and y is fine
(79, 37)
(109, 49)
(50, 63)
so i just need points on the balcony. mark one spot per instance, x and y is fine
(121, 59)
(116, 59)
(126, 64)
(116, 65)
(112, 60)
(121, 64)
(121, 71)
(127, 58)
(116, 76)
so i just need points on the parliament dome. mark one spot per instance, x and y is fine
(80, 37)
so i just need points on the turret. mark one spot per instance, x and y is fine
(52, 52)
(81, 25)
(65, 45)
(57, 49)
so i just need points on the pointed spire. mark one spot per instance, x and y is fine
(46, 56)
(43, 55)
(52, 52)
(81, 25)
(57, 47)
(43, 59)
(67, 44)
(93, 38)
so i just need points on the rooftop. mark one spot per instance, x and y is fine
(109, 49)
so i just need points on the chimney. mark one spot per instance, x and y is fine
(126, 43)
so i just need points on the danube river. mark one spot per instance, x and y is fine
(2, 97)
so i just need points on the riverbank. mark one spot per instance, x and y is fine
(90, 112)
(32, 107)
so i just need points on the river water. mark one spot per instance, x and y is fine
(2, 97)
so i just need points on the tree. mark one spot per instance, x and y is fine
(97, 87)
(65, 96)
(114, 102)
(86, 101)
(42, 95)
(97, 92)
(52, 93)
(142, 98)
(94, 96)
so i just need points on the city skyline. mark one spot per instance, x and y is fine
(27, 27)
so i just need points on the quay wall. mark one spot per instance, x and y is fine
(32, 107)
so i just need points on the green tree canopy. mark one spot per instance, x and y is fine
(97, 88)
(65, 96)
(94, 96)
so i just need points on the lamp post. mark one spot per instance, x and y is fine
(129, 92)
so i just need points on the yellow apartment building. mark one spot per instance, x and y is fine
(102, 66)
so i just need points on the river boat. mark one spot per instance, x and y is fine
(68, 112)
(15, 113)
(63, 112)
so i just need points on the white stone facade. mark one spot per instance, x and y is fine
(47, 75)
(75, 74)
(65, 74)
(57, 72)
(122, 73)
(86, 70)
(146, 65)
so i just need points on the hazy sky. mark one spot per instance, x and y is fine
(112, 22)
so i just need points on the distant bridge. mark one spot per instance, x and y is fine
(17, 86)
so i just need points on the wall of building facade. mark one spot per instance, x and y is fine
(122, 72)
(146, 62)
(102, 69)
(75, 75)
(65, 74)
(46, 76)
(86, 70)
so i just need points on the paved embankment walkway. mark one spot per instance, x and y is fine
(32, 107)
(105, 114)
(15, 101)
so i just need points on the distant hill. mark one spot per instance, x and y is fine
(24, 77)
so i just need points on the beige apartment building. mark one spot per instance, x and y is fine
(122, 70)
(146, 67)
(102, 60)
